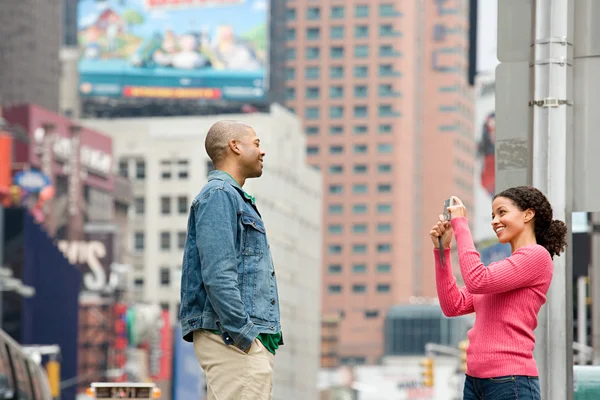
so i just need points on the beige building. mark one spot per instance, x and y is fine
(166, 160)
(381, 87)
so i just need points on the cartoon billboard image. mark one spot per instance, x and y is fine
(194, 49)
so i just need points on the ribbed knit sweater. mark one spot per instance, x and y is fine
(506, 297)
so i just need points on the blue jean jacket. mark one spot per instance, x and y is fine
(228, 278)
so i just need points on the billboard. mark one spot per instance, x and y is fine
(174, 49)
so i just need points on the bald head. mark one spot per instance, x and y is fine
(220, 134)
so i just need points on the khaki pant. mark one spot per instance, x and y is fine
(232, 374)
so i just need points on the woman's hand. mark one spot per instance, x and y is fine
(442, 229)
(458, 209)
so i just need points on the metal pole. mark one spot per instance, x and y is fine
(582, 317)
(595, 287)
(551, 119)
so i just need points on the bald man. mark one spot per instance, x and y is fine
(229, 299)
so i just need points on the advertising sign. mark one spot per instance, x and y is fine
(188, 377)
(32, 180)
(174, 49)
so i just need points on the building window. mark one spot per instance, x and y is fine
(312, 112)
(361, 31)
(209, 167)
(183, 169)
(384, 248)
(359, 268)
(359, 288)
(383, 288)
(384, 168)
(336, 149)
(312, 150)
(164, 306)
(334, 289)
(182, 204)
(361, 71)
(139, 241)
(290, 93)
(360, 91)
(336, 169)
(336, 72)
(360, 129)
(335, 229)
(384, 268)
(359, 188)
(335, 209)
(360, 111)
(336, 111)
(124, 168)
(359, 248)
(384, 228)
(165, 276)
(337, 12)
(181, 238)
(140, 169)
(385, 129)
(359, 209)
(291, 14)
(336, 189)
(360, 148)
(335, 249)
(335, 92)
(384, 148)
(387, 10)
(139, 283)
(312, 130)
(165, 240)
(359, 228)
(313, 13)
(361, 51)
(334, 269)
(362, 11)
(290, 73)
(313, 33)
(336, 130)
(384, 188)
(291, 54)
(312, 53)
(337, 32)
(312, 73)
(165, 169)
(290, 34)
(337, 52)
(140, 205)
(165, 205)
(370, 314)
(360, 169)
(384, 208)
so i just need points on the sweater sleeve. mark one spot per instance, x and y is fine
(527, 266)
(453, 301)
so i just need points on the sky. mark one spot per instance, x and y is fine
(487, 35)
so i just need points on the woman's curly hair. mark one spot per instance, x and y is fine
(552, 234)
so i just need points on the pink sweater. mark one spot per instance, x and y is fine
(506, 297)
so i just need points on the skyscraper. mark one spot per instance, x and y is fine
(381, 86)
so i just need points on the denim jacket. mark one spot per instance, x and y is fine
(228, 278)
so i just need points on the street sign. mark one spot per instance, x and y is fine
(513, 124)
(515, 22)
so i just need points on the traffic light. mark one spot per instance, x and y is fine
(53, 372)
(427, 372)
(462, 346)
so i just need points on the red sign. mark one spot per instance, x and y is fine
(95, 150)
(166, 349)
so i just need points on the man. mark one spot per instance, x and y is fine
(229, 299)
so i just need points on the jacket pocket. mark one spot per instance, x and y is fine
(254, 236)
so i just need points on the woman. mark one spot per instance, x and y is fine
(506, 296)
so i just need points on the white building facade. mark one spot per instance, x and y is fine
(166, 160)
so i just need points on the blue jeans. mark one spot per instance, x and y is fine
(502, 388)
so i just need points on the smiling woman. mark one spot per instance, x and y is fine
(505, 296)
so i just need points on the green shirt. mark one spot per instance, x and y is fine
(269, 340)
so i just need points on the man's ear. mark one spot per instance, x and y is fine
(234, 146)
(529, 214)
